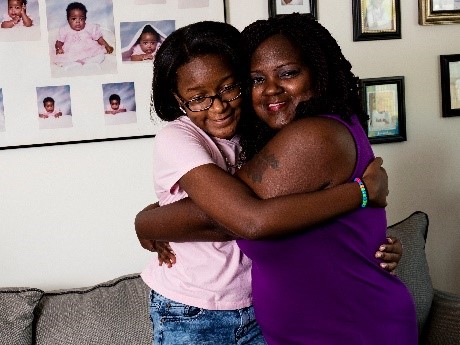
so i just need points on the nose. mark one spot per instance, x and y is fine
(217, 104)
(272, 86)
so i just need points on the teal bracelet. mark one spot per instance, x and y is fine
(363, 189)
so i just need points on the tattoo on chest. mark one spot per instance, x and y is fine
(262, 163)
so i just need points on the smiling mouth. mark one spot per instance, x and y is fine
(276, 106)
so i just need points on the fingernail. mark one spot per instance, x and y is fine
(382, 248)
(383, 265)
(378, 255)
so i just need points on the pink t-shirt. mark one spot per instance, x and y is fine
(209, 275)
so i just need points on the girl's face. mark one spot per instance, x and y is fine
(15, 8)
(77, 19)
(114, 104)
(280, 80)
(209, 75)
(148, 42)
(49, 106)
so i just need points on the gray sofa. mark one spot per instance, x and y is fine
(116, 312)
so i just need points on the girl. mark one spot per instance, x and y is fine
(79, 42)
(115, 106)
(17, 14)
(49, 110)
(146, 45)
(197, 87)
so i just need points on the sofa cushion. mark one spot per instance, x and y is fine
(16, 315)
(413, 268)
(115, 312)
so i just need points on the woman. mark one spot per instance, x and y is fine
(199, 181)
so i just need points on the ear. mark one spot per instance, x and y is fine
(181, 104)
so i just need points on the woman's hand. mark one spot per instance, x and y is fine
(390, 253)
(376, 180)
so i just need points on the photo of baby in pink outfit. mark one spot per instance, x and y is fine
(80, 45)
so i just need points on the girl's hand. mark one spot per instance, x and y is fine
(109, 49)
(165, 253)
(376, 180)
(390, 253)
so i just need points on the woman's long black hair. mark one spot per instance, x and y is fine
(336, 88)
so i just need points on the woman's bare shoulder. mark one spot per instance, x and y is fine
(306, 155)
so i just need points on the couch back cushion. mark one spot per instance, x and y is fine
(115, 312)
(16, 315)
(413, 268)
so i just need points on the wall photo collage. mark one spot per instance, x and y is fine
(77, 72)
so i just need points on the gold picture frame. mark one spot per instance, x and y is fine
(432, 12)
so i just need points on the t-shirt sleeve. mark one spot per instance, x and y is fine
(177, 150)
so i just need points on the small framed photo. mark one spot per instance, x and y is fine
(383, 99)
(450, 85)
(376, 20)
(438, 12)
(289, 6)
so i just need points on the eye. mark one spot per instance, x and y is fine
(257, 80)
(289, 73)
(198, 100)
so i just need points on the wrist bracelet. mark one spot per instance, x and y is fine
(363, 189)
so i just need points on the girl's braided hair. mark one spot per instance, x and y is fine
(336, 88)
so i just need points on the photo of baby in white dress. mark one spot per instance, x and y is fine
(81, 37)
(120, 103)
(54, 107)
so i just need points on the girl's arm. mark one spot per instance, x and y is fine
(308, 155)
(25, 18)
(8, 24)
(141, 57)
(103, 42)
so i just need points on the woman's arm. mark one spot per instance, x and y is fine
(236, 207)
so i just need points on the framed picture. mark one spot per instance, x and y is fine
(376, 20)
(66, 98)
(383, 99)
(438, 12)
(289, 6)
(450, 85)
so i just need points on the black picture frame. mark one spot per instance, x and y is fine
(432, 12)
(450, 85)
(276, 7)
(383, 100)
(386, 20)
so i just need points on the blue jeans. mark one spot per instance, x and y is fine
(176, 323)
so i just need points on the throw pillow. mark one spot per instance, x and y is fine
(115, 312)
(16, 315)
(413, 268)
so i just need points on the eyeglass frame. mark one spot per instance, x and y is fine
(217, 95)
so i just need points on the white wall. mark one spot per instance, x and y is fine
(66, 212)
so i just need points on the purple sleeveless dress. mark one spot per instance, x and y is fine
(325, 286)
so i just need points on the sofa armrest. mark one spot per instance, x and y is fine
(443, 324)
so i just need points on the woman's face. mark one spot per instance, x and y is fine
(77, 19)
(148, 42)
(280, 81)
(208, 75)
